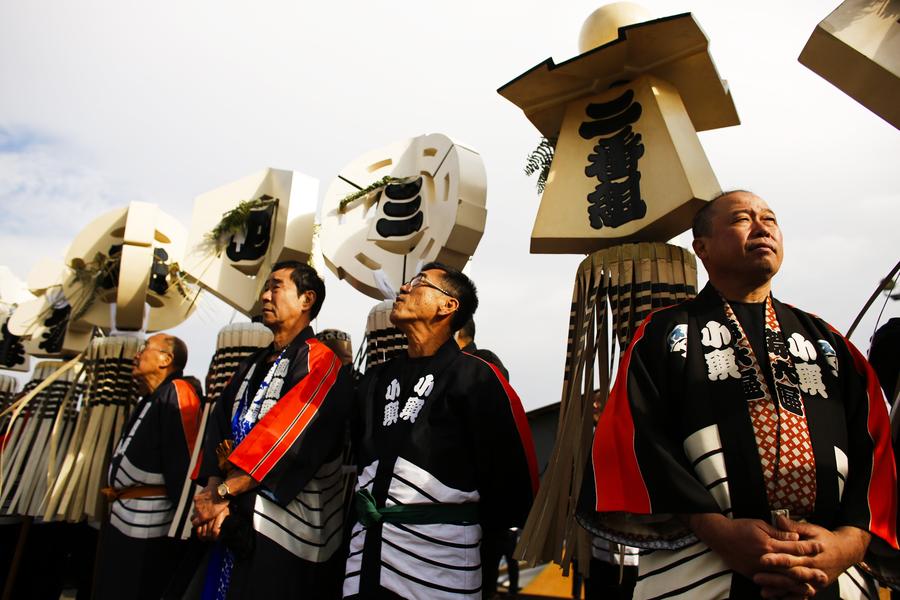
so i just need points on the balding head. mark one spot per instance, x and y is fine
(179, 351)
(702, 223)
(739, 241)
(161, 355)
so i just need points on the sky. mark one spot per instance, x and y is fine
(105, 103)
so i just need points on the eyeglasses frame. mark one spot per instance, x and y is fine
(422, 279)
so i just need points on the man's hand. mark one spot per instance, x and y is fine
(208, 504)
(742, 544)
(210, 530)
(839, 550)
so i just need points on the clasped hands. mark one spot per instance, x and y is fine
(210, 510)
(791, 560)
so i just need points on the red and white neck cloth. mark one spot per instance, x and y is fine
(779, 420)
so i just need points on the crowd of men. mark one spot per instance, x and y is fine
(745, 448)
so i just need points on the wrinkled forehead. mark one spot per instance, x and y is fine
(432, 275)
(158, 339)
(739, 202)
(281, 276)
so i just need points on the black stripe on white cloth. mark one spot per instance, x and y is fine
(370, 471)
(338, 466)
(431, 561)
(435, 540)
(410, 473)
(428, 584)
(337, 482)
(297, 537)
(297, 517)
(138, 475)
(717, 482)
(853, 574)
(324, 503)
(673, 564)
(142, 525)
(706, 455)
(147, 511)
(691, 586)
(415, 487)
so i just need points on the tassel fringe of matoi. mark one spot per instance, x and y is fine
(51, 410)
(234, 343)
(9, 386)
(383, 341)
(109, 397)
(615, 289)
(25, 452)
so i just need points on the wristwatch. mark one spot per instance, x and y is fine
(223, 491)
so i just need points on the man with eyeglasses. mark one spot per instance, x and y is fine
(272, 457)
(146, 471)
(444, 452)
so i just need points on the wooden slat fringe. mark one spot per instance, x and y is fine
(63, 428)
(25, 451)
(383, 341)
(234, 343)
(43, 456)
(615, 289)
(110, 394)
(8, 388)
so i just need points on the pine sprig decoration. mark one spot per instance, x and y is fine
(381, 183)
(539, 161)
(89, 276)
(180, 280)
(234, 221)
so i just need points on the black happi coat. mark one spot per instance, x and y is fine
(136, 558)
(445, 429)
(285, 532)
(676, 439)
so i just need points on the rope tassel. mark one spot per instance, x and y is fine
(615, 289)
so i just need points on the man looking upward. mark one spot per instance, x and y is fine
(146, 470)
(444, 452)
(745, 441)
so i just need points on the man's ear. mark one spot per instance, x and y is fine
(699, 246)
(448, 306)
(307, 300)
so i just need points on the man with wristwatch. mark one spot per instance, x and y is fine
(272, 456)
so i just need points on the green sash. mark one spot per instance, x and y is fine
(413, 514)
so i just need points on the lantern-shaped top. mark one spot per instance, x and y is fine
(239, 230)
(674, 49)
(398, 207)
(129, 258)
(857, 48)
(45, 323)
(13, 293)
(628, 165)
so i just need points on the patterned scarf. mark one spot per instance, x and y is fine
(247, 413)
(779, 421)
